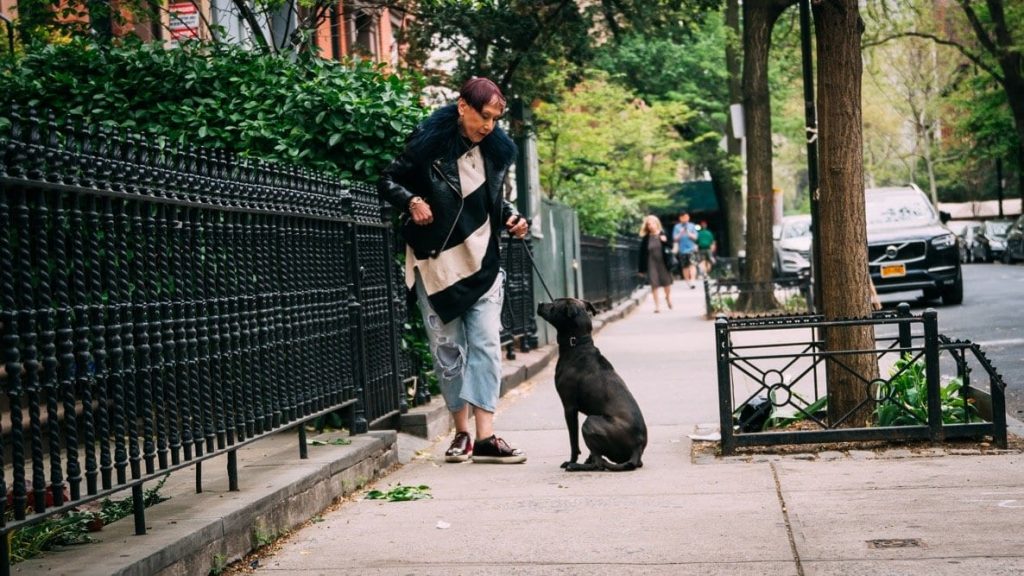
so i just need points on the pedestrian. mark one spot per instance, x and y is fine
(684, 234)
(705, 248)
(655, 254)
(448, 185)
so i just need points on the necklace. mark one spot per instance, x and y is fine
(470, 154)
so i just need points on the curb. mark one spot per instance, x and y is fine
(197, 534)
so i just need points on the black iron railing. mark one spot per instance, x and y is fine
(162, 305)
(771, 376)
(610, 269)
(724, 295)
(518, 318)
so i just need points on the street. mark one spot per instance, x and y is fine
(989, 316)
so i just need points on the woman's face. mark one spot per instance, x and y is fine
(476, 124)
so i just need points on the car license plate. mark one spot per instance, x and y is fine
(894, 270)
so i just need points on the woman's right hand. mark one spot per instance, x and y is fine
(421, 213)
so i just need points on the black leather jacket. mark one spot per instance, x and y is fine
(428, 168)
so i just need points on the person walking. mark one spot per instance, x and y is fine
(447, 183)
(655, 251)
(705, 248)
(684, 233)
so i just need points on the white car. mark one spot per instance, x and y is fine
(793, 246)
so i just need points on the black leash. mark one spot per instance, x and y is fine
(529, 255)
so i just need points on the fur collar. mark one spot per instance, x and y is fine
(437, 136)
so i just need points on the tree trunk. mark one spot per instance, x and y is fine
(844, 276)
(758, 20)
(728, 185)
(725, 176)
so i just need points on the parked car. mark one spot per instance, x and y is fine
(909, 246)
(990, 240)
(964, 230)
(793, 246)
(1014, 241)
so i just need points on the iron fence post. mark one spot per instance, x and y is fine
(931, 367)
(724, 388)
(707, 298)
(997, 389)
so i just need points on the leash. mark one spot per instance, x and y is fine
(533, 262)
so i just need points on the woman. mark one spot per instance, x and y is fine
(448, 184)
(654, 245)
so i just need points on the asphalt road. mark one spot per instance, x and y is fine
(992, 315)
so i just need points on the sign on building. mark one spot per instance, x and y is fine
(184, 20)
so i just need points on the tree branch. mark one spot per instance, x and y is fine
(510, 70)
(979, 29)
(254, 24)
(974, 58)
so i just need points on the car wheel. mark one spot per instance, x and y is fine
(952, 295)
(1007, 259)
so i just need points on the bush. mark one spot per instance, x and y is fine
(347, 119)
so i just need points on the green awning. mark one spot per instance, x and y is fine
(695, 196)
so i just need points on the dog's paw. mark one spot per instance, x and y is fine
(574, 467)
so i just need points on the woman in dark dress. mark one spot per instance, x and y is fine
(654, 245)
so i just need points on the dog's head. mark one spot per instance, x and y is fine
(568, 315)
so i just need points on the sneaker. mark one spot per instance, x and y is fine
(494, 450)
(460, 449)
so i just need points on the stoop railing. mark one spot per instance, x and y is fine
(772, 382)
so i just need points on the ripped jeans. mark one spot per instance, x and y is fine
(467, 350)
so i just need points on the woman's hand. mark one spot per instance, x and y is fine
(517, 226)
(420, 211)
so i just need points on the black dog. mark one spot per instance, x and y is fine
(586, 382)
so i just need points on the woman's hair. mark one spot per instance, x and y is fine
(651, 224)
(479, 92)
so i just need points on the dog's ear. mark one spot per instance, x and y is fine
(590, 308)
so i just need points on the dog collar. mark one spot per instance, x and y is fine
(574, 341)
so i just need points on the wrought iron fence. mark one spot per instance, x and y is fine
(162, 305)
(518, 318)
(771, 382)
(609, 269)
(725, 295)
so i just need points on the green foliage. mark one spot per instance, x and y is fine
(817, 407)
(74, 527)
(346, 119)
(401, 493)
(903, 401)
(220, 564)
(608, 154)
(514, 42)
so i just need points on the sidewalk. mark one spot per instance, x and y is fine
(893, 513)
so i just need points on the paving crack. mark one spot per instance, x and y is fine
(785, 516)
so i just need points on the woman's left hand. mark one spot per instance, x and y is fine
(517, 226)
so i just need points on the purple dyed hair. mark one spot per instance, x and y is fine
(479, 92)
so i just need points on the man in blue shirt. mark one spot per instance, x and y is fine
(684, 233)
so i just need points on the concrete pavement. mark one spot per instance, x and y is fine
(895, 512)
